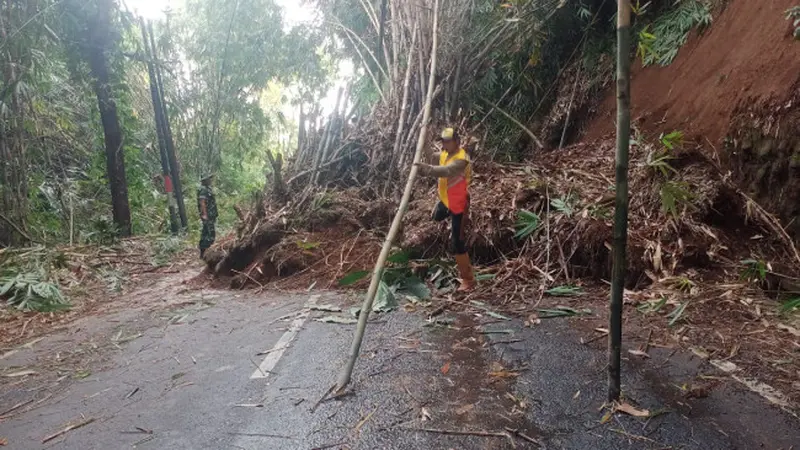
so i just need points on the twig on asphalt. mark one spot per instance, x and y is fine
(15, 407)
(267, 352)
(596, 338)
(264, 372)
(637, 437)
(234, 433)
(143, 440)
(327, 446)
(509, 341)
(67, 430)
(139, 430)
(523, 436)
(132, 393)
(481, 433)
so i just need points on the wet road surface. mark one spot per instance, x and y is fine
(222, 371)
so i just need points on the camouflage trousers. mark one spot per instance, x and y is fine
(207, 235)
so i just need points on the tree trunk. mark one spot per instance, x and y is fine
(174, 165)
(301, 138)
(100, 37)
(621, 205)
(13, 154)
(159, 121)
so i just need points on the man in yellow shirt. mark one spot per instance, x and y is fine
(454, 173)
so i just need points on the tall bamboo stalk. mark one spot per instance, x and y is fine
(377, 273)
(401, 124)
(621, 205)
(174, 166)
(160, 132)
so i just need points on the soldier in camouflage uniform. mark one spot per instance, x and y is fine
(207, 206)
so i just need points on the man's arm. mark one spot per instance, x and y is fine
(450, 170)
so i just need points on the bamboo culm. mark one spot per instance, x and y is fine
(621, 204)
(366, 307)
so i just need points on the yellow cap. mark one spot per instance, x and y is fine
(447, 134)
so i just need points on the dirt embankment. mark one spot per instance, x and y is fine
(733, 89)
(746, 55)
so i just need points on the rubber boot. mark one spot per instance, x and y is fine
(465, 271)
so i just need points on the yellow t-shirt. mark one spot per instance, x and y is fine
(453, 190)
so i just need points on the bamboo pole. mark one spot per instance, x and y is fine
(381, 35)
(328, 141)
(158, 113)
(621, 205)
(401, 124)
(366, 307)
(174, 167)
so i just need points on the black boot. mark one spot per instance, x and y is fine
(202, 252)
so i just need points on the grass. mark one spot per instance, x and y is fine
(671, 30)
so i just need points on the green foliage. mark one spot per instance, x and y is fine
(673, 195)
(671, 140)
(671, 30)
(228, 67)
(565, 291)
(385, 299)
(103, 231)
(644, 46)
(563, 205)
(527, 223)
(791, 305)
(562, 311)
(165, 248)
(652, 306)
(683, 284)
(755, 270)
(397, 278)
(793, 15)
(353, 277)
(31, 291)
(114, 279)
(677, 314)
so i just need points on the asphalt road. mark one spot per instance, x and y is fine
(215, 370)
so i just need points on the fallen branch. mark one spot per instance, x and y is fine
(67, 430)
(523, 436)
(481, 433)
(233, 433)
(773, 223)
(14, 408)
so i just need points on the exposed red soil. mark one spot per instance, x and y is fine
(746, 55)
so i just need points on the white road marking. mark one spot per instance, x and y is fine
(274, 355)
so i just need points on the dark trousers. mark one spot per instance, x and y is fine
(458, 225)
(207, 236)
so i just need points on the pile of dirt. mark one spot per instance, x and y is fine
(732, 88)
(763, 152)
(706, 224)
